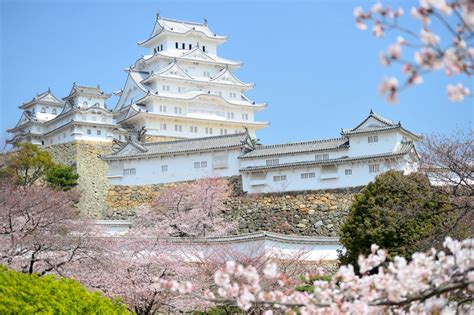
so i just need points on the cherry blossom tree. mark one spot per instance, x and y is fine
(40, 230)
(188, 210)
(447, 159)
(454, 54)
(420, 286)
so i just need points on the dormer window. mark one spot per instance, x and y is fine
(43, 110)
(372, 139)
(54, 111)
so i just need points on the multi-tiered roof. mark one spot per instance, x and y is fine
(183, 89)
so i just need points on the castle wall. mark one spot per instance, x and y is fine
(317, 213)
(93, 181)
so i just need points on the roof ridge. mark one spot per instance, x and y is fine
(194, 139)
(298, 143)
(386, 120)
(182, 21)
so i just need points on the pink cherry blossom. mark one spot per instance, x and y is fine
(456, 93)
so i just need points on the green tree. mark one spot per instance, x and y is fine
(62, 176)
(28, 163)
(30, 294)
(402, 214)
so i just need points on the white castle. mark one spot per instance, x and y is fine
(200, 124)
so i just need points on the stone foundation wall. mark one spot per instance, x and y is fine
(92, 170)
(304, 213)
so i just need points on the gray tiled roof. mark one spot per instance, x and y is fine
(297, 147)
(133, 149)
(404, 149)
(387, 124)
(88, 90)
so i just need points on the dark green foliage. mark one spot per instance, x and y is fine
(62, 176)
(30, 294)
(221, 310)
(402, 214)
(308, 284)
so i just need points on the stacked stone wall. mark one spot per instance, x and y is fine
(93, 182)
(304, 213)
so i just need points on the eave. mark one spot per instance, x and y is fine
(383, 156)
(257, 107)
(256, 125)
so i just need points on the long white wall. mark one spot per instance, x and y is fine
(316, 177)
(178, 168)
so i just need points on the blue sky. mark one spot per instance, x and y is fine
(317, 72)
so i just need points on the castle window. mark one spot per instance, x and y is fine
(193, 129)
(374, 168)
(348, 171)
(54, 111)
(163, 108)
(190, 46)
(245, 116)
(129, 171)
(272, 162)
(161, 47)
(178, 128)
(89, 131)
(372, 139)
(207, 73)
(203, 48)
(197, 165)
(184, 46)
(223, 131)
(203, 164)
(230, 115)
(208, 130)
(163, 126)
(308, 175)
(99, 132)
(279, 178)
(177, 110)
(177, 45)
(43, 110)
(233, 95)
(321, 157)
(84, 103)
(164, 168)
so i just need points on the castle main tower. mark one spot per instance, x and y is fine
(183, 89)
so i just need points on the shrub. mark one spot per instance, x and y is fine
(30, 294)
(62, 176)
(402, 214)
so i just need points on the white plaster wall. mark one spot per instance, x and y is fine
(292, 158)
(360, 176)
(387, 142)
(180, 168)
